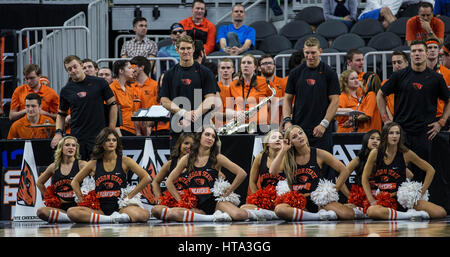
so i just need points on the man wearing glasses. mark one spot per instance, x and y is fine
(176, 31)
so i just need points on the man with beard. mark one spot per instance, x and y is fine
(125, 95)
(417, 89)
(267, 69)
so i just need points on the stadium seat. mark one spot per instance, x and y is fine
(263, 29)
(410, 11)
(385, 41)
(367, 28)
(295, 30)
(254, 52)
(446, 21)
(332, 62)
(399, 27)
(313, 15)
(348, 41)
(331, 29)
(275, 44)
(301, 41)
(279, 61)
(367, 49)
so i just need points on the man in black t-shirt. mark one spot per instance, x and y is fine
(416, 90)
(316, 89)
(187, 91)
(84, 95)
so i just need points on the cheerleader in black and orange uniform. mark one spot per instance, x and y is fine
(310, 197)
(387, 167)
(180, 149)
(207, 199)
(59, 196)
(116, 201)
(262, 185)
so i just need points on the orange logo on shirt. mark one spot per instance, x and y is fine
(186, 82)
(81, 94)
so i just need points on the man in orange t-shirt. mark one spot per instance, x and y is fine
(433, 63)
(267, 69)
(225, 70)
(424, 26)
(50, 99)
(124, 93)
(199, 28)
(146, 92)
(22, 129)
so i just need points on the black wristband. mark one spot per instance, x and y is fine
(59, 131)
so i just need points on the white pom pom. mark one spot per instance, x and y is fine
(409, 193)
(124, 201)
(282, 187)
(87, 185)
(325, 193)
(220, 186)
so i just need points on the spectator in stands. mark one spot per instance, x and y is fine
(424, 26)
(199, 28)
(90, 67)
(199, 52)
(50, 98)
(445, 55)
(106, 73)
(441, 7)
(316, 90)
(146, 90)
(267, 68)
(140, 45)
(225, 70)
(415, 108)
(85, 96)
(399, 61)
(343, 10)
(382, 10)
(433, 64)
(186, 81)
(296, 59)
(176, 31)
(125, 95)
(236, 38)
(21, 128)
(355, 61)
(349, 100)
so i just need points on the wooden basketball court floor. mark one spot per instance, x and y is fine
(157, 228)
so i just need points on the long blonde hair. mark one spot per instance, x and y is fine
(289, 163)
(343, 80)
(58, 152)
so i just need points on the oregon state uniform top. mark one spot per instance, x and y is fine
(181, 182)
(306, 177)
(389, 177)
(201, 180)
(62, 182)
(108, 184)
(265, 178)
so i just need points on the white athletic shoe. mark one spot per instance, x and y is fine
(418, 215)
(323, 214)
(332, 215)
(220, 216)
(120, 217)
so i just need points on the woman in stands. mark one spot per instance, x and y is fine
(248, 90)
(349, 100)
(59, 196)
(261, 183)
(372, 118)
(386, 167)
(302, 166)
(203, 166)
(116, 202)
(180, 149)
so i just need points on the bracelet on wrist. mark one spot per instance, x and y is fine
(325, 123)
(60, 131)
